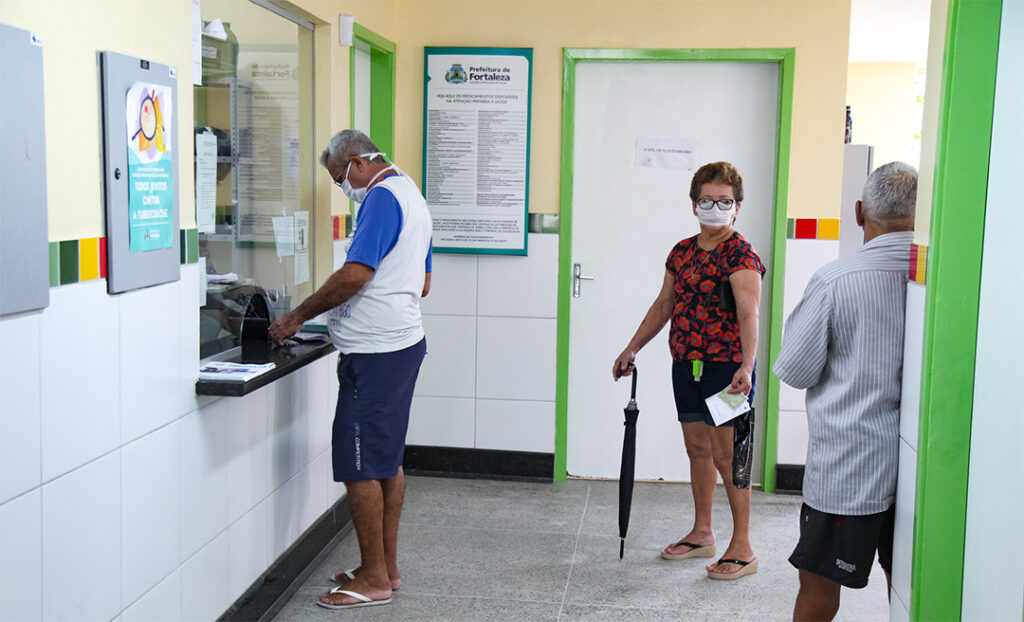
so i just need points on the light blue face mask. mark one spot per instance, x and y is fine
(358, 194)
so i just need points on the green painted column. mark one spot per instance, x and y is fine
(951, 307)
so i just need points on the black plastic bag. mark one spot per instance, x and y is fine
(743, 449)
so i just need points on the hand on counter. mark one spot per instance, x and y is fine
(285, 326)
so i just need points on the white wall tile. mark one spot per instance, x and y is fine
(247, 550)
(790, 398)
(316, 492)
(289, 427)
(150, 511)
(188, 344)
(803, 258)
(898, 611)
(20, 394)
(81, 418)
(449, 369)
(515, 426)
(286, 511)
(160, 604)
(82, 541)
(903, 535)
(205, 594)
(442, 421)
(453, 286)
(150, 359)
(249, 448)
(516, 358)
(913, 347)
(516, 286)
(205, 456)
(325, 392)
(21, 566)
(792, 437)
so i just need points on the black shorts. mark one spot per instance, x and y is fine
(690, 394)
(842, 548)
(372, 415)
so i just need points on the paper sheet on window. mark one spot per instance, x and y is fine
(284, 235)
(197, 45)
(675, 153)
(206, 182)
(301, 247)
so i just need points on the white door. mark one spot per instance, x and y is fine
(625, 220)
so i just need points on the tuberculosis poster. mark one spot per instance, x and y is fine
(476, 148)
(150, 174)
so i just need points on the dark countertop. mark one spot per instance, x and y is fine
(286, 359)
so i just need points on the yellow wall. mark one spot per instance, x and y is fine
(73, 31)
(882, 98)
(72, 34)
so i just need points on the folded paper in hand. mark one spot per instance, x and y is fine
(725, 406)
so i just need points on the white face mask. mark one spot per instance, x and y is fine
(715, 217)
(358, 194)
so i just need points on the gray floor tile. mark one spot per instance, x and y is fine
(484, 550)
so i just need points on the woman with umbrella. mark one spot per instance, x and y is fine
(713, 343)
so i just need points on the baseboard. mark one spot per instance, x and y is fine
(268, 594)
(789, 479)
(479, 463)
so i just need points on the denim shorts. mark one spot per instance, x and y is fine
(690, 394)
(372, 415)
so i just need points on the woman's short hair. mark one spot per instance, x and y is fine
(717, 173)
(890, 194)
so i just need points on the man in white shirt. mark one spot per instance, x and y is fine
(844, 344)
(374, 321)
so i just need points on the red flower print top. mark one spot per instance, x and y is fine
(700, 330)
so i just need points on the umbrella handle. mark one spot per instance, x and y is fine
(632, 393)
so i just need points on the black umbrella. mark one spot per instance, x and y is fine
(628, 462)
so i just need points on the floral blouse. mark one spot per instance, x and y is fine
(700, 330)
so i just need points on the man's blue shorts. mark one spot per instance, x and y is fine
(372, 415)
(690, 395)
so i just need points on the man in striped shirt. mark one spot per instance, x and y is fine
(844, 344)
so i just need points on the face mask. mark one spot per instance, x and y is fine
(358, 194)
(715, 217)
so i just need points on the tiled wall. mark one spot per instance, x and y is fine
(488, 380)
(803, 257)
(125, 496)
(906, 486)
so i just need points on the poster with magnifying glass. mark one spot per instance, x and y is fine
(150, 172)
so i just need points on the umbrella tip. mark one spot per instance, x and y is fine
(622, 546)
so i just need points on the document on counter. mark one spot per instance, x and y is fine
(725, 406)
(223, 371)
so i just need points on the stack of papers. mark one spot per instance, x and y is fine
(725, 406)
(221, 371)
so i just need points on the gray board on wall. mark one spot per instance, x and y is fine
(24, 238)
(127, 270)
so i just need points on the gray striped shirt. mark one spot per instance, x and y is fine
(844, 344)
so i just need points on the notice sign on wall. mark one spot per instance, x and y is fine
(476, 147)
(150, 174)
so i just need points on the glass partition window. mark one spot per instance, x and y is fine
(254, 166)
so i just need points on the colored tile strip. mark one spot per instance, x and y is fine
(89, 259)
(103, 258)
(828, 229)
(54, 264)
(192, 237)
(812, 228)
(806, 228)
(68, 262)
(918, 263)
(337, 227)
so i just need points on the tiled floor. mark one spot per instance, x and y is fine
(483, 550)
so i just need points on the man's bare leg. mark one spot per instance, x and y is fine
(817, 600)
(366, 500)
(394, 496)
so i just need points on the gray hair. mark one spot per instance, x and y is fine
(890, 195)
(345, 144)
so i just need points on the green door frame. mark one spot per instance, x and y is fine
(953, 286)
(785, 57)
(382, 89)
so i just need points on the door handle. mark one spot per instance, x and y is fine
(577, 276)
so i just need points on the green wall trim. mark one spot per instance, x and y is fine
(786, 57)
(192, 237)
(54, 264)
(951, 307)
(68, 262)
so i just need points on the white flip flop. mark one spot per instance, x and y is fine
(348, 573)
(363, 600)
